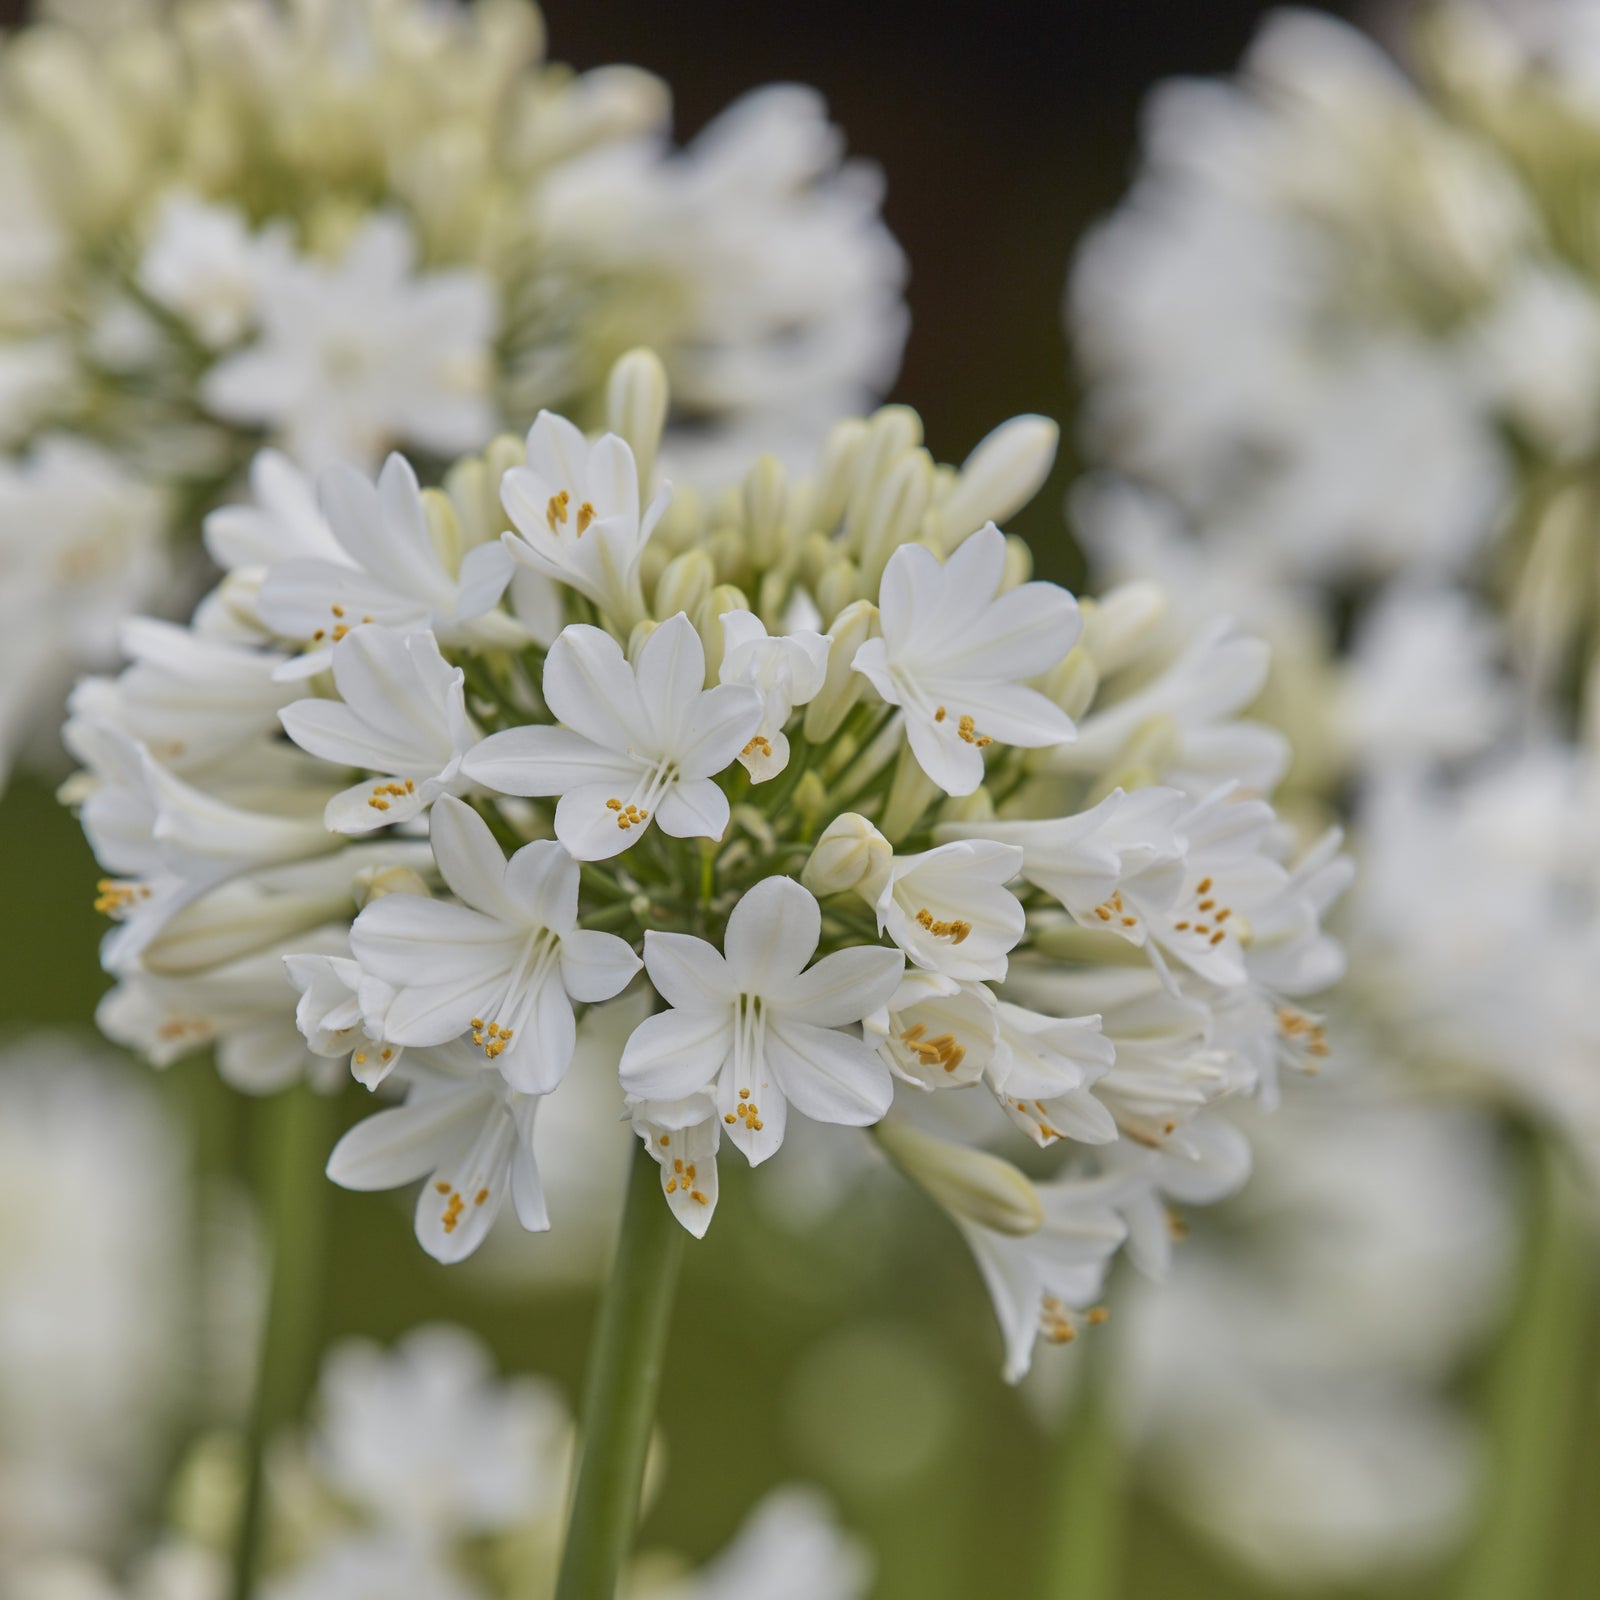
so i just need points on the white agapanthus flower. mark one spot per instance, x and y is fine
(345, 230)
(723, 797)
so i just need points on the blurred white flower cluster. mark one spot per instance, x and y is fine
(881, 822)
(428, 1477)
(1342, 344)
(342, 226)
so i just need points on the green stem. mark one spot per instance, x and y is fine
(620, 1389)
(1084, 1561)
(293, 1191)
(1533, 1400)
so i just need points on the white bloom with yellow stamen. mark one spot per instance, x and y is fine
(956, 653)
(638, 744)
(468, 1132)
(341, 1015)
(402, 713)
(576, 510)
(937, 1033)
(1042, 1073)
(683, 1136)
(950, 911)
(505, 964)
(759, 1029)
(786, 670)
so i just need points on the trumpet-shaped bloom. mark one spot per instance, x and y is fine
(637, 745)
(575, 508)
(950, 911)
(937, 1033)
(759, 1029)
(683, 1136)
(956, 653)
(786, 671)
(1042, 1073)
(505, 964)
(341, 1015)
(389, 572)
(403, 714)
(466, 1130)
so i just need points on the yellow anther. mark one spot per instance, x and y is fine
(586, 515)
(940, 714)
(555, 511)
(759, 743)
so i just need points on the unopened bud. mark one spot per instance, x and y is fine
(894, 514)
(1019, 563)
(684, 584)
(373, 883)
(1120, 624)
(810, 798)
(836, 471)
(911, 793)
(837, 587)
(729, 553)
(637, 397)
(892, 431)
(975, 807)
(444, 528)
(1072, 682)
(842, 686)
(708, 624)
(766, 501)
(640, 633)
(851, 854)
(1002, 475)
(970, 1184)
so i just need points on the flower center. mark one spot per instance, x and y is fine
(339, 629)
(1113, 910)
(493, 1034)
(955, 929)
(383, 794)
(119, 898)
(1059, 1323)
(942, 1050)
(683, 1177)
(1206, 921)
(555, 513)
(749, 1056)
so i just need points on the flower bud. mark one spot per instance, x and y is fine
(1072, 682)
(1019, 563)
(837, 587)
(842, 686)
(708, 624)
(893, 515)
(810, 798)
(1004, 472)
(851, 854)
(975, 807)
(891, 433)
(444, 528)
(641, 632)
(1120, 624)
(971, 1185)
(373, 883)
(766, 502)
(730, 556)
(836, 471)
(637, 396)
(684, 584)
(911, 793)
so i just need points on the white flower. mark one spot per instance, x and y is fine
(683, 1136)
(403, 713)
(341, 1014)
(388, 571)
(365, 354)
(575, 508)
(955, 652)
(758, 1027)
(464, 1129)
(949, 910)
(506, 963)
(372, 1566)
(1112, 867)
(425, 1439)
(638, 744)
(203, 264)
(786, 670)
(283, 522)
(937, 1033)
(1043, 1071)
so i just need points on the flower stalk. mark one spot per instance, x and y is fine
(1085, 1560)
(294, 1143)
(621, 1386)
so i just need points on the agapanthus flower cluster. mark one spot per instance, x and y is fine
(345, 226)
(1343, 344)
(869, 827)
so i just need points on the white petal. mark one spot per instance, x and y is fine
(542, 882)
(846, 986)
(590, 828)
(687, 971)
(829, 1076)
(671, 678)
(459, 1202)
(772, 933)
(589, 686)
(410, 939)
(469, 859)
(398, 1146)
(676, 1053)
(693, 808)
(596, 966)
(541, 1051)
(485, 572)
(546, 761)
(721, 723)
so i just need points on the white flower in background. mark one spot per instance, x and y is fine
(786, 670)
(955, 652)
(81, 546)
(365, 354)
(402, 712)
(505, 964)
(758, 1028)
(205, 266)
(638, 744)
(387, 571)
(575, 509)
(428, 1442)
(378, 1566)
(790, 1547)
(468, 1133)
(92, 1278)
(282, 521)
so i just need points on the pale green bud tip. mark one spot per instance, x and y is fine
(373, 883)
(970, 1184)
(1004, 472)
(851, 854)
(637, 397)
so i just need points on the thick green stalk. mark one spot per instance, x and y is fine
(1536, 1400)
(620, 1389)
(1084, 1557)
(294, 1129)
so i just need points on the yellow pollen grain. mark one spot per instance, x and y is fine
(481, 1197)
(555, 511)
(698, 1198)
(672, 1185)
(940, 714)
